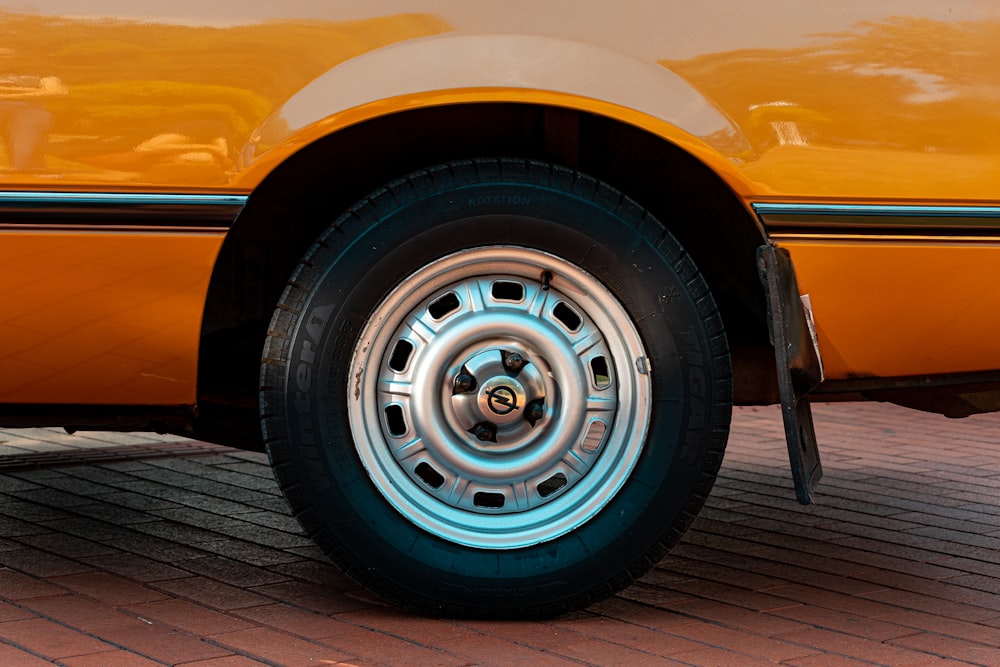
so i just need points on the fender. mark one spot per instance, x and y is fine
(455, 69)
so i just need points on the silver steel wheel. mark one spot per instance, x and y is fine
(500, 397)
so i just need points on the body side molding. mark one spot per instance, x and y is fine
(108, 210)
(879, 219)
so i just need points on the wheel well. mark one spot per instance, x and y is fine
(306, 193)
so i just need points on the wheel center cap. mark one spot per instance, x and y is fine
(502, 399)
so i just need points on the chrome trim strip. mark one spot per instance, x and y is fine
(121, 199)
(890, 210)
(110, 229)
(111, 209)
(868, 219)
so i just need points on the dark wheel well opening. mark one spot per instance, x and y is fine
(300, 198)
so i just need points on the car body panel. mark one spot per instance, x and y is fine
(885, 306)
(102, 318)
(805, 106)
(856, 103)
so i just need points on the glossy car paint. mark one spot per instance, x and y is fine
(102, 317)
(886, 103)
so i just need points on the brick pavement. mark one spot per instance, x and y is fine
(146, 550)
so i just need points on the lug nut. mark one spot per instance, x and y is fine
(513, 361)
(464, 383)
(485, 432)
(534, 411)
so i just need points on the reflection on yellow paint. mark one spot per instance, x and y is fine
(116, 101)
(879, 111)
(24, 121)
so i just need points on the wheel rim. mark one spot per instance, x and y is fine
(500, 398)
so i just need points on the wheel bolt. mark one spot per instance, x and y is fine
(534, 411)
(485, 432)
(513, 361)
(464, 383)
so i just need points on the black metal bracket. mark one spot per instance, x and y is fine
(800, 369)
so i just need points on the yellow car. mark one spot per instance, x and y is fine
(485, 278)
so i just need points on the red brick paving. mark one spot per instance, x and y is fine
(158, 552)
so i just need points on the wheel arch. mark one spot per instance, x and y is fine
(304, 193)
(449, 69)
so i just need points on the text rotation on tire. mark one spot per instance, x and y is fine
(496, 388)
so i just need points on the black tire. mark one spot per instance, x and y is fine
(537, 485)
